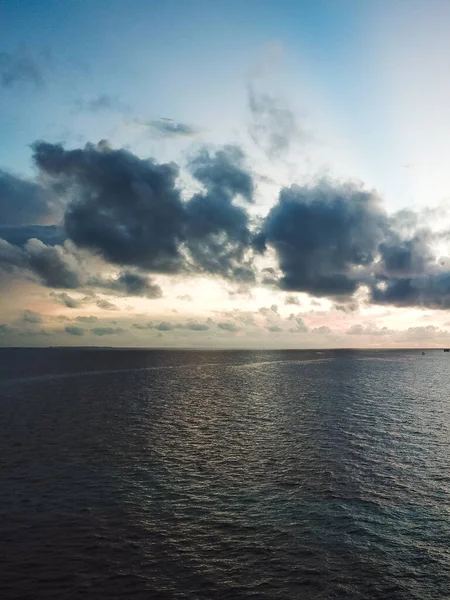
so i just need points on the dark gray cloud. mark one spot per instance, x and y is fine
(407, 257)
(190, 325)
(66, 300)
(90, 319)
(228, 326)
(130, 211)
(73, 330)
(350, 306)
(290, 299)
(409, 274)
(126, 208)
(106, 305)
(134, 284)
(427, 291)
(142, 326)
(217, 230)
(11, 257)
(101, 331)
(24, 202)
(21, 67)
(4, 329)
(34, 332)
(196, 326)
(56, 267)
(29, 316)
(330, 238)
(324, 236)
(223, 173)
(170, 128)
(165, 326)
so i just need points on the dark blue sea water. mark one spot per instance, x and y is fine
(229, 475)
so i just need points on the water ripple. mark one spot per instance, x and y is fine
(224, 475)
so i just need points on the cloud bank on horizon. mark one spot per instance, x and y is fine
(178, 235)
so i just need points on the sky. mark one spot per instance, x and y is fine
(225, 174)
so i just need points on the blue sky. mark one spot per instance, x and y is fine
(185, 60)
(358, 95)
(191, 61)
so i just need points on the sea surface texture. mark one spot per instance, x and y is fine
(230, 475)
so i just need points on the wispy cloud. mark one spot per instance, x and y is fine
(22, 66)
(169, 128)
(273, 126)
(102, 102)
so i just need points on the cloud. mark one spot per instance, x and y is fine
(425, 333)
(347, 307)
(273, 126)
(24, 202)
(55, 265)
(166, 326)
(245, 317)
(101, 331)
(289, 299)
(324, 236)
(300, 326)
(90, 319)
(329, 238)
(29, 316)
(4, 329)
(106, 305)
(149, 325)
(66, 300)
(274, 328)
(11, 257)
(368, 329)
(228, 326)
(195, 326)
(133, 284)
(73, 330)
(223, 172)
(269, 311)
(100, 103)
(123, 207)
(50, 235)
(322, 330)
(130, 211)
(409, 273)
(185, 298)
(170, 128)
(21, 67)
(217, 230)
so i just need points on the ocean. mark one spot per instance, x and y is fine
(165, 474)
